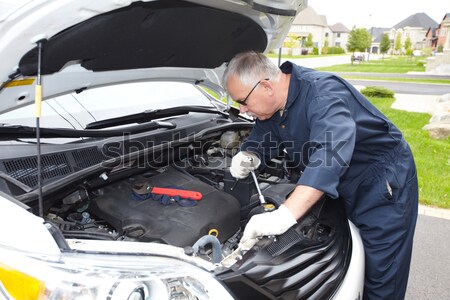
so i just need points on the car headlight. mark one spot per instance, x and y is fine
(85, 276)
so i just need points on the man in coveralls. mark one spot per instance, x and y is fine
(344, 148)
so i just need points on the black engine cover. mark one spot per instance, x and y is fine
(149, 220)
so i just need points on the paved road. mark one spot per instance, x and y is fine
(417, 75)
(406, 87)
(398, 87)
(316, 62)
(429, 277)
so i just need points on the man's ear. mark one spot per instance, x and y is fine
(267, 85)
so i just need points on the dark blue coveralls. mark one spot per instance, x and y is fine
(346, 148)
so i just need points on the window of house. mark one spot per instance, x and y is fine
(338, 35)
(326, 34)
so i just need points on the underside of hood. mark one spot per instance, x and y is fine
(149, 34)
(86, 44)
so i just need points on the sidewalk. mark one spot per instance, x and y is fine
(434, 212)
(415, 103)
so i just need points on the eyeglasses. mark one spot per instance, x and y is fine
(244, 102)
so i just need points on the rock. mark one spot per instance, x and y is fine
(438, 131)
(439, 126)
(442, 117)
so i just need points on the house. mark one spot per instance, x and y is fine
(338, 36)
(415, 27)
(308, 21)
(377, 36)
(436, 37)
(440, 62)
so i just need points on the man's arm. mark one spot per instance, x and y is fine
(302, 199)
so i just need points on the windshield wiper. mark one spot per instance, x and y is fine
(149, 115)
(18, 131)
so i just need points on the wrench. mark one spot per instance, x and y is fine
(261, 196)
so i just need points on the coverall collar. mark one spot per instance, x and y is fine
(294, 88)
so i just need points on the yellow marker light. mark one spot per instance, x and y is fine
(20, 82)
(20, 285)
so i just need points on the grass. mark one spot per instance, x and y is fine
(285, 56)
(432, 156)
(397, 64)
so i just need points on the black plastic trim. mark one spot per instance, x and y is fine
(307, 262)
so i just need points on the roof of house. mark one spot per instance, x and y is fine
(377, 33)
(417, 20)
(308, 16)
(339, 27)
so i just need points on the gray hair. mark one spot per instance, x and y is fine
(250, 67)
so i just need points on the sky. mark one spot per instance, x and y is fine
(377, 13)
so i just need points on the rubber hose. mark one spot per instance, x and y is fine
(216, 249)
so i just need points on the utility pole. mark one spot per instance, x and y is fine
(371, 38)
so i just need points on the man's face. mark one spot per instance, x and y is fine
(256, 100)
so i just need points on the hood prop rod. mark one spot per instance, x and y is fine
(37, 105)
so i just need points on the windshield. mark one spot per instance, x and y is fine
(76, 110)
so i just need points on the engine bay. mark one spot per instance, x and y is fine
(109, 208)
(113, 211)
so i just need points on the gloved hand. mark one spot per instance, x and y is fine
(272, 223)
(242, 163)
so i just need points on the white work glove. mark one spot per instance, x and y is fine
(242, 163)
(271, 223)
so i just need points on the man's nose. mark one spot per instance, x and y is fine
(243, 108)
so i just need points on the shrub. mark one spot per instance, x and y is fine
(377, 91)
(332, 50)
(420, 64)
(315, 51)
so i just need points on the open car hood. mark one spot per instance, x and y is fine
(91, 43)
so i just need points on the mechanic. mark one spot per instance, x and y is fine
(344, 147)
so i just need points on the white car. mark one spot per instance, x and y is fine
(117, 186)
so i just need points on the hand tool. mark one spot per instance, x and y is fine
(261, 197)
(144, 188)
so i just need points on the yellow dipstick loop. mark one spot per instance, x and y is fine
(213, 232)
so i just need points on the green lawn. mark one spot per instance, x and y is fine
(432, 156)
(396, 64)
(284, 57)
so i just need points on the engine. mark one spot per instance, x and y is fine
(173, 222)
(112, 210)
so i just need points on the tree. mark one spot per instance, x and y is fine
(358, 40)
(309, 42)
(398, 43)
(291, 41)
(385, 44)
(408, 44)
